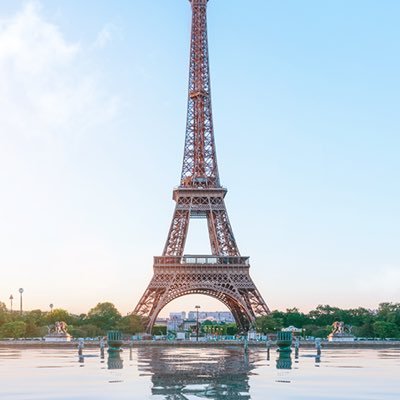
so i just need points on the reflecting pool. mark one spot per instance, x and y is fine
(165, 372)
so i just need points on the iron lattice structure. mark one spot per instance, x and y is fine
(224, 274)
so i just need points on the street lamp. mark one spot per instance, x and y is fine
(197, 322)
(51, 307)
(11, 299)
(20, 300)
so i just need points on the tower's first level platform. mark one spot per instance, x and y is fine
(201, 261)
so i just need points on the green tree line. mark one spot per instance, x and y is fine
(383, 322)
(99, 319)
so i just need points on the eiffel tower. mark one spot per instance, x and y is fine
(224, 274)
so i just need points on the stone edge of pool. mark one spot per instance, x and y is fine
(95, 344)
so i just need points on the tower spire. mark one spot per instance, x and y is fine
(199, 167)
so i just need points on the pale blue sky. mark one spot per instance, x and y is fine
(306, 99)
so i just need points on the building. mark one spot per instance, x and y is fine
(175, 321)
(217, 316)
(178, 321)
(178, 315)
(162, 322)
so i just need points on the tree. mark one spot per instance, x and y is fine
(389, 312)
(385, 329)
(4, 317)
(58, 314)
(159, 330)
(87, 330)
(326, 315)
(32, 330)
(38, 317)
(131, 324)
(365, 330)
(231, 329)
(293, 317)
(15, 329)
(104, 315)
(268, 323)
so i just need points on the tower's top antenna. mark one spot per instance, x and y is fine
(199, 167)
(199, 2)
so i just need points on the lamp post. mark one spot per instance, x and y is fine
(11, 301)
(197, 322)
(20, 300)
(51, 307)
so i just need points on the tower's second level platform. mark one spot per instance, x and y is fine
(198, 192)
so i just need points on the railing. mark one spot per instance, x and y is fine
(189, 187)
(114, 335)
(284, 336)
(202, 260)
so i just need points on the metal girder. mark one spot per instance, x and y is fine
(223, 275)
(199, 167)
(203, 205)
(232, 286)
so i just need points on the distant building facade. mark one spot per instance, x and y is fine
(217, 316)
(178, 315)
(179, 321)
(175, 321)
(161, 321)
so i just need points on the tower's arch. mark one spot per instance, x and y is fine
(241, 313)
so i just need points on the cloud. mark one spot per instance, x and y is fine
(106, 35)
(31, 45)
(46, 86)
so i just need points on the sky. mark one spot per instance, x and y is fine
(306, 99)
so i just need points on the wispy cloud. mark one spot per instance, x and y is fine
(108, 33)
(44, 87)
(31, 45)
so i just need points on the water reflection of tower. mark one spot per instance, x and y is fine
(221, 373)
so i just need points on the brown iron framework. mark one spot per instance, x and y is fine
(224, 274)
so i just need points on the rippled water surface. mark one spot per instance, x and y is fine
(199, 373)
